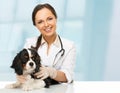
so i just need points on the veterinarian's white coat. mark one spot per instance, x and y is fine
(65, 64)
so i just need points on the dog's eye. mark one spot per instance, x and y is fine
(25, 56)
(33, 58)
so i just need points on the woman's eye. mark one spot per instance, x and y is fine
(39, 22)
(50, 18)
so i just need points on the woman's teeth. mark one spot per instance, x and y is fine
(48, 30)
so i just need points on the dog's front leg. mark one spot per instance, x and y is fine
(13, 85)
(38, 83)
(27, 86)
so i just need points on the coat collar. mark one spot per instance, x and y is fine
(56, 42)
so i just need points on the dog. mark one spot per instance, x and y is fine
(28, 62)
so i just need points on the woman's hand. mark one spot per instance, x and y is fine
(46, 72)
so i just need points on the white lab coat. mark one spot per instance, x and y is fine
(65, 64)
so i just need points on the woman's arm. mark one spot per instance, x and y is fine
(67, 69)
(60, 76)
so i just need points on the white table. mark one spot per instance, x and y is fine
(76, 87)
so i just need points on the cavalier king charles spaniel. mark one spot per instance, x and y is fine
(27, 62)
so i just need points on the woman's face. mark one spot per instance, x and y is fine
(45, 21)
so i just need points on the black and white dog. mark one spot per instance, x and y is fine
(27, 62)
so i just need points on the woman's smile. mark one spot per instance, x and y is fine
(46, 22)
(48, 29)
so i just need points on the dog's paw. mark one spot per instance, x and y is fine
(27, 88)
(10, 86)
(13, 85)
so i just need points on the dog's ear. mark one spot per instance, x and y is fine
(38, 62)
(17, 64)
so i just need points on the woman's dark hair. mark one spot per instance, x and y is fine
(38, 43)
(41, 6)
(36, 9)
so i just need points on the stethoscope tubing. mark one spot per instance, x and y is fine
(62, 51)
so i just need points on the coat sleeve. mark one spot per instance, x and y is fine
(69, 63)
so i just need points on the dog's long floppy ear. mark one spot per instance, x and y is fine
(38, 62)
(17, 64)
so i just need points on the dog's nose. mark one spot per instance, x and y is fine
(31, 64)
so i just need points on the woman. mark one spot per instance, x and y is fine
(57, 54)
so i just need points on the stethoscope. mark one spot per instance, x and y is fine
(61, 52)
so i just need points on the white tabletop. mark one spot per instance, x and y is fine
(76, 87)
